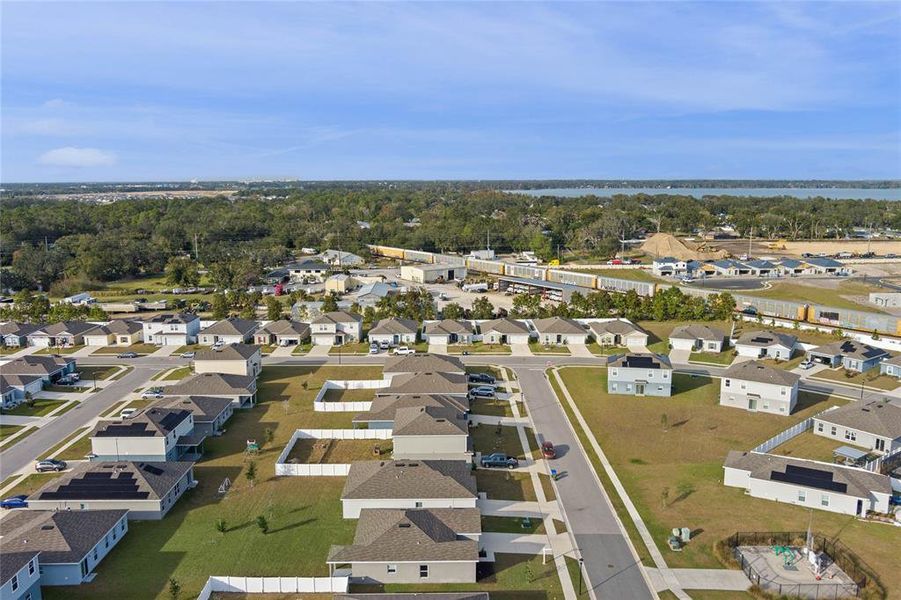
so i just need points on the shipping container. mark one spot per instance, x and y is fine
(494, 267)
(612, 284)
(418, 256)
(586, 280)
(514, 270)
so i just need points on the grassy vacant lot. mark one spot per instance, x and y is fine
(715, 358)
(65, 441)
(494, 408)
(487, 440)
(788, 365)
(510, 577)
(505, 485)
(479, 349)
(304, 513)
(870, 379)
(841, 296)
(809, 445)
(101, 373)
(512, 525)
(138, 348)
(686, 457)
(330, 452)
(77, 451)
(659, 331)
(60, 350)
(539, 348)
(39, 409)
(599, 350)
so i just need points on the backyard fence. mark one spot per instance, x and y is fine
(793, 431)
(885, 463)
(321, 405)
(286, 469)
(273, 585)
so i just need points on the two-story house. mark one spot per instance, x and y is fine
(171, 329)
(754, 386)
(336, 328)
(232, 330)
(873, 424)
(235, 359)
(154, 434)
(640, 374)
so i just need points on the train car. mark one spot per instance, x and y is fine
(495, 267)
(449, 259)
(525, 271)
(387, 251)
(612, 284)
(585, 280)
(418, 256)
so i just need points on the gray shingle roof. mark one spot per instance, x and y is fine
(880, 418)
(231, 326)
(158, 480)
(66, 327)
(230, 352)
(761, 466)
(20, 329)
(204, 408)
(36, 365)
(753, 370)
(213, 384)
(640, 360)
(504, 327)
(151, 422)
(429, 420)
(427, 383)
(338, 316)
(286, 327)
(555, 325)
(172, 319)
(766, 338)
(62, 537)
(850, 349)
(123, 327)
(428, 535)
(13, 561)
(383, 408)
(616, 326)
(394, 326)
(422, 363)
(448, 326)
(697, 332)
(391, 479)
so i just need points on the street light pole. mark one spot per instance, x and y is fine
(581, 566)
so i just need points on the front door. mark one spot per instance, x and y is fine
(860, 508)
(639, 389)
(752, 403)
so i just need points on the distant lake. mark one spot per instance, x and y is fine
(831, 193)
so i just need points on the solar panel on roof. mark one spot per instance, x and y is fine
(152, 470)
(815, 478)
(641, 362)
(98, 486)
(126, 430)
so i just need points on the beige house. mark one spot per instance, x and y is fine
(435, 545)
(336, 328)
(234, 359)
(65, 333)
(115, 333)
(408, 484)
(448, 331)
(618, 332)
(240, 389)
(504, 331)
(697, 338)
(431, 433)
(558, 331)
(282, 333)
(228, 331)
(340, 284)
(382, 412)
(394, 331)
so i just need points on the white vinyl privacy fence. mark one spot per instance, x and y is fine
(793, 431)
(273, 585)
(283, 468)
(321, 405)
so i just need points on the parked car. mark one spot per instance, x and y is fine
(19, 501)
(187, 355)
(891, 255)
(548, 450)
(403, 351)
(153, 393)
(615, 261)
(70, 379)
(384, 345)
(499, 459)
(127, 412)
(482, 391)
(806, 363)
(127, 355)
(482, 378)
(373, 348)
(50, 464)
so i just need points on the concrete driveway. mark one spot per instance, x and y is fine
(437, 348)
(319, 351)
(580, 350)
(520, 350)
(282, 351)
(679, 357)
(165, 351)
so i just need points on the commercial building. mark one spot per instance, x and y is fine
(432, 273)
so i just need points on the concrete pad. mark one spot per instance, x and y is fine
(679, 356)
(513, 543)
(712, 579)
(86, 351)
(514, 508)
(165, 351)
(520, 350)
(319, 351)
(580, 350)
(638, 348)
(437, 348)
(282, 351)
(740, 359)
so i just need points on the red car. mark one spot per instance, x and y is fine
(548, 451)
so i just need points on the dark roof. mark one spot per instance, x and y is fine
(63, 327)
(880, 418)
(13, 561)
(150, 422)
(426, 535)
(504, 326)
(556, 325)
(617, 327)
(429, 420)
(120, 480)
(447, 326)
(338, 316)
(427, 383)
(62, 537)
(383, 408)
(394, 326)
(422, 363)
(766, 338)
(169, 318)
(36, 365)
(14, 328)
(286, 327)
(231, 326)
(7, 382)
(851, 349)
(390, 479)
(753, 370)
(213, 384)
(640, 360)
(121, 326)
(204, 408)
(230, 352)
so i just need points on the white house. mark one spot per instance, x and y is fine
(757, 387)
(394, 331)
(668, 266)
(151, 435)
(504, 331)
(433, 273)
(618, 332)
(697, 338)
(65, 333)
(336, 328)
(766, 344)
(235, 359)
(282, 333)
(308, 270)
(341, 259)
(556, 331)
(115, 333)
(448, 331)
(430, 433)
(171, 329)
(640, 374)
(408, 484)
(808, 483)
(14, 335)
(228, 331)
(874, 425)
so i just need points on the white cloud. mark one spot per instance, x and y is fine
(70, 156)
(55, 103)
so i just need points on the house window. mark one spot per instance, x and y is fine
(423, 571)
(666, 374)
(650, 374)
(802, 496)
(820, 427)
(418, 505)
(728, 382)
(392, 569)
(824, 500)
(834, 430)
(31, 567)
(613, 372)
(851, 436)
(14, 582)
(613, 386)
(766, 405)
(782, 391)
(95, 552)
(628, 387)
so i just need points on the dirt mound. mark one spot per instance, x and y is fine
(664, 244)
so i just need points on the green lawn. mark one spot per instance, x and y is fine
(62, 443)
(176, 374)
(512, 525)
(837, 297)
(478, 348)
(7, 350)
(41, 408)
(304, 513)
(31, 484)
(101, 373)
(6, 431)
(77, 451)
(493, 408)
(487, 440)
(187, 348)
(686, 457)
(714, 358)
(809, 445)
(659, 331)
(122, 373)
(870, 379)
(788, 365)
(539, 348)
(67, 389)
(136, 348)
(301, 349)
(353, 348)
(60, 350)
(599, 350)
(500, 484)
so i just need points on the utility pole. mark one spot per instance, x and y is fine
(196, 254)
(750, 237)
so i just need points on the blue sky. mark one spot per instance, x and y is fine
(159, 91)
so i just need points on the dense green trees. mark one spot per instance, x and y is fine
(182, 271)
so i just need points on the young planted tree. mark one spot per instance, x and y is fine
(263, 524)
(251, 473)
(221, 526)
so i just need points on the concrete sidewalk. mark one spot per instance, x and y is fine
(517, 508)
(282, 351)
(164, 351)
(703, 579)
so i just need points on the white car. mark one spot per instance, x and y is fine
(403, 351)
(373, 348)
(127, 412)
(806, 363)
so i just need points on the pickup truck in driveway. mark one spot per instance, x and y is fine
(499, 459)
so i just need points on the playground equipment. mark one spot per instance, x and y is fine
(252, 447)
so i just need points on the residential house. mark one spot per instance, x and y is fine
(850, 354)
(757, 387)
(63, 334)
(698, 338)
(728, 268)
(48, 368)
(763, 268)
(427, 545)
(432, 273)
(640, 374)
(20, 577)
(171, 329)
(15, 389)
(451, 384)
(674, 267)
(234, 359)
(891, 366)
(340, 259)
(408, 484)
(71, 543)
(336, 328)
(115, 333)
(394, 331)
(766, 344)
(370, 294)
(152, 435)
(557, 331)
(448, 331)
(871, 424)
(240, 389)
(209, 412)
(282, 333)
(147, 490)
(430, 433)
(827, 266)
(232, 330)
(808, 483)
(793, 267)
(308, 270)
(15, 335)
(422, 363)
(504, 331)
(618, 332)
(382, 411)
